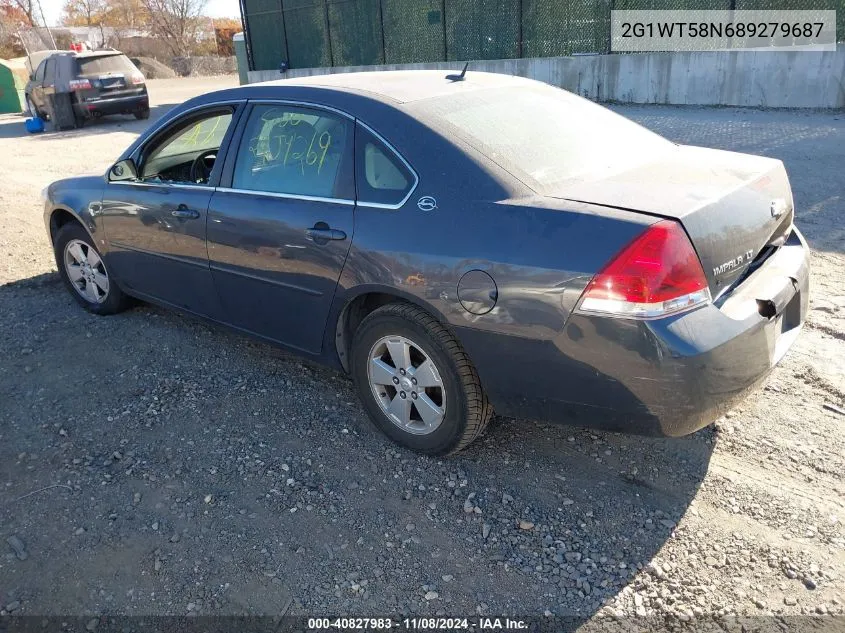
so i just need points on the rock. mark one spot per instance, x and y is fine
(573, 557)
(79, 531)
(485, 530)
(432, 595)
(18, 547)
(759, 603)
(13, 606)
(525, 525)
(92, 625)
(448, 578)
(469, 505)
(790, 601)
(710, 561)
(809, 583)
(410, 527)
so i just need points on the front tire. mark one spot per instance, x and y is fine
(84, 272)
(416, 382)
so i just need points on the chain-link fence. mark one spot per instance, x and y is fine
(311, 33)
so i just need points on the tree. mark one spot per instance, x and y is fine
(125, 14)
(176, 22)
(84, 12)
(12, 20)
(22, 9)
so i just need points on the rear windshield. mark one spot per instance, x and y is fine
(104, 65)
(544, 136)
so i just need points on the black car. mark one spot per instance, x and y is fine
(457, 246)
(69, 88)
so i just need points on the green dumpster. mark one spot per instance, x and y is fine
(13, 78)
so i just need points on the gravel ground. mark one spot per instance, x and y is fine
(150, 464)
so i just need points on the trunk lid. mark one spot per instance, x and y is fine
(731, 205)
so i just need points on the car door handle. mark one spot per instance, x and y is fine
(324, 233)
(184, 212)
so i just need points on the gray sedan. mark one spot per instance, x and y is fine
(459, 246)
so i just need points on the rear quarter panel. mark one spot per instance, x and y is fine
(540, 257)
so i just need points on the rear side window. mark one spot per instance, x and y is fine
(383, 178)
(39, 73)
(104, 65)
(296, 151)
(50, 71)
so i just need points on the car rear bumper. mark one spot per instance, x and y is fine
(115, 105)
(668, 376)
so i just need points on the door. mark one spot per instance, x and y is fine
(156, 224)
(278, 236)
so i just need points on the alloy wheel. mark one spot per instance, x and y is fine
(407, 385)
(86, 271)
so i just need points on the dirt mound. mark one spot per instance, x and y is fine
(152, 68)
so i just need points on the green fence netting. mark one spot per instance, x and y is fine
(311, 33)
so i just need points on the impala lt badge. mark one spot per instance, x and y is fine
(778, 207)
(731, 264)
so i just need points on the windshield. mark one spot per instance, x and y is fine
(104, 65)
(544, 136)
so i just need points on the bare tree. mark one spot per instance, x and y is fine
(176, 22)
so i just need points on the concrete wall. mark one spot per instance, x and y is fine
(750, 78)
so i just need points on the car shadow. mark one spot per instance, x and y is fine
(13, 125)
(530, 516)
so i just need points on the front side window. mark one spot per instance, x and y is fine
(290, 150)
(187, 152)
(382, 177)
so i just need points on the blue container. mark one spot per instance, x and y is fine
(34, 125)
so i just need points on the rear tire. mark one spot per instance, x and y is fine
(452, 388)
(84, 272)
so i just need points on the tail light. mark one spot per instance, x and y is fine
(137, 78)
(657, 274)
(79, 84)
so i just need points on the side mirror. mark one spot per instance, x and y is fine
(123, 170)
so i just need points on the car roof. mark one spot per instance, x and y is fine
(401, 86)
(84, 54)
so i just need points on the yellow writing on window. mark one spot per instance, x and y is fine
(291, 148)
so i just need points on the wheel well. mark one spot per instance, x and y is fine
(351, 317)
(58, 219)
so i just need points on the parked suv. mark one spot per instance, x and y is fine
(69, 87)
